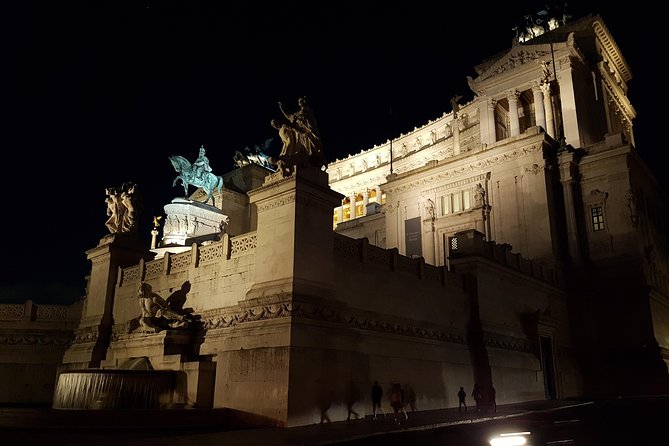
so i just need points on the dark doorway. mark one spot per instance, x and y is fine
(548, 366)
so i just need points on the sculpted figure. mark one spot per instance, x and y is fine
(122, 207)
(156, 314)
(479, 195)
(115, 210)
(301, 139)
(198, 174)
(201, 165)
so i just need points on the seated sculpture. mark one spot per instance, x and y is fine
(156, 314)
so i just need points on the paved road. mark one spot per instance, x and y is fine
(638, 422)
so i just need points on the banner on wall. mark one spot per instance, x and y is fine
(412, 237)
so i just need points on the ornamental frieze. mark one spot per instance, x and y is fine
(35, 339)
(254, 314)
(281, 201)
(512, 61)
(85, 335)
(506, 342)
(533, 169)
(478, 165)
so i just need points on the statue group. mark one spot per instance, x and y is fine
(159, 314)
(302, 145)
(122, 207)
(198, 174)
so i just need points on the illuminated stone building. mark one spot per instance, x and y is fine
(512, 243)
(542, 159)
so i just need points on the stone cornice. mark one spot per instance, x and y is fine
(613, 53)
(483, 163)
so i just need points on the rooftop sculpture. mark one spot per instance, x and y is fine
(302, 145)
(122, 206)
(198, 174)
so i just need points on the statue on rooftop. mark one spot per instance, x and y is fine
(257, 155)
(123, 203)
(302, 145)
(199, 174)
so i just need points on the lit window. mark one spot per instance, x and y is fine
(372, 196)
(457, 202)
(347, 213)
(597, 218)
(358, 210)
(466, 199)
(383, 198)
(446, 204)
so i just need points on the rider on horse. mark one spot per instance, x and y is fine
(201, 166)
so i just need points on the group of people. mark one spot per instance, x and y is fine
(478, 398)
(397, 401)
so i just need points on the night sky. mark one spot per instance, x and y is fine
(101, 94)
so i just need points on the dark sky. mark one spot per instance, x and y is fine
(101, 94)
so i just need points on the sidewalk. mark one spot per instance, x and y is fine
(29, 432)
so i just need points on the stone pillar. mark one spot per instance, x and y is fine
(352, 206)
(548, 108)
(365, 202)
(340, 214)
(492, 125)
(455, 126)
(93, 335)
(569, 177)
(570, 129)
(514, 122)
(539, 112)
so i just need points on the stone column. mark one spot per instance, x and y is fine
(340, 214)
(365, 202)
(492, 125)
(514, 122)
(569, 177)
(539, 112)
(352, 206)
(548, 108)
(570, 129)
(455, 126)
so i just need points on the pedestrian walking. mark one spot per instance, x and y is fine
(397, 402)
(461, 398)
(492, 398)
(377, 394)
(476, 394)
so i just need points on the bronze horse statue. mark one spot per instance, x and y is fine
(208, 181)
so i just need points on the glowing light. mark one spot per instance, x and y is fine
(510, 439)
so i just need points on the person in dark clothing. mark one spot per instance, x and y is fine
(461, 398)
(476, 394)
(377, 394)
(492, 397)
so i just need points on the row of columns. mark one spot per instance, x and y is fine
(352, 204)
(543, 110)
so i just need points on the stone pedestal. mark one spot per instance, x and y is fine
(294, 238)
(190, 222)
(92, 338)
